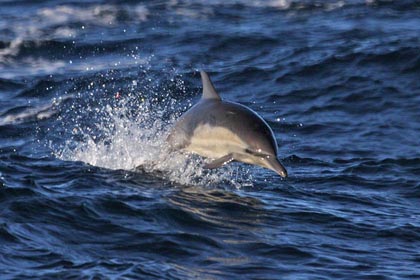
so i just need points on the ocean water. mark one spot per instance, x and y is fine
(89, 89)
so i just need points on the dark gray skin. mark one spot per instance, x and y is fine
(225, 131)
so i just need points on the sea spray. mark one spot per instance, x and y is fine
(128, 131)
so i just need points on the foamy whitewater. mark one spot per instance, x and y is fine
(128, 131)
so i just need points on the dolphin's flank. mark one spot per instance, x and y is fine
(225, 131)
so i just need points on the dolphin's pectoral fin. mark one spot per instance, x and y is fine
(219, 162)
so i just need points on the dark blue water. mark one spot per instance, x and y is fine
(88, 90)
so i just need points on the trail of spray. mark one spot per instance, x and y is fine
(131, 134)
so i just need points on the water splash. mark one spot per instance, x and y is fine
(129, 132)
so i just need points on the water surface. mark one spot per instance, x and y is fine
(88, 90)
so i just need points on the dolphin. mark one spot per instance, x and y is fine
(225, 131)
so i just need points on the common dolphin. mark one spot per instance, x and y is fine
(224, 132)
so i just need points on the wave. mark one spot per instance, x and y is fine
(287, 5)
(32, 37)
(408, 232)
(12, 49)
(22, 114)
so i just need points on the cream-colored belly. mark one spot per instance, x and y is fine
(215, 142)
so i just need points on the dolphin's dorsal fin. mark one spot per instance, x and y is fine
(209, 92)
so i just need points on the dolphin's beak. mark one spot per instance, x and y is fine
(274, 164)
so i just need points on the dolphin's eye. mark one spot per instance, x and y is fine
(248, 151)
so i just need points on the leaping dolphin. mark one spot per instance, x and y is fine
(225, 131)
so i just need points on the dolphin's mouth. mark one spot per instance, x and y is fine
(275, 165)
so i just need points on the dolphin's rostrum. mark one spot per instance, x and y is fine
(225, 131)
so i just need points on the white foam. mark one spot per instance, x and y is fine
(38, 112)
(140, 142)
(53, 23)
(279, 4)
(65, 32)
(12, 49)
(96, 14)
(30, 66)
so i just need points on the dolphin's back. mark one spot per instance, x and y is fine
(222, 119)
